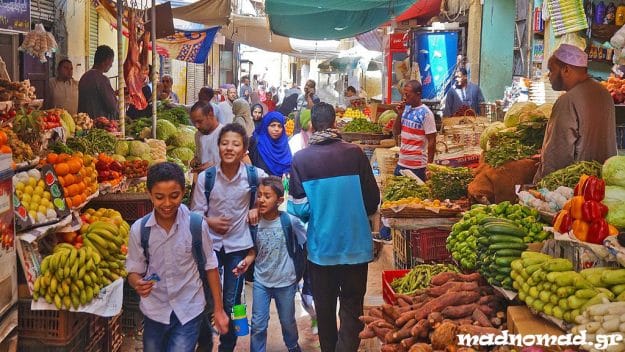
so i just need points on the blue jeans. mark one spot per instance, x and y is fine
(228, 261)
(172, 337)
(285, 303)
(419, 172)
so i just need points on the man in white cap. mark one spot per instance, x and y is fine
(582, 124)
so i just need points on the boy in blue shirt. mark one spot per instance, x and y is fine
(274, 270)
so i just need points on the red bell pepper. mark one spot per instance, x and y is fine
(591, 211)
(580, 185)
(604, 210)
(598, 231)
(563, 222)
(594, 189)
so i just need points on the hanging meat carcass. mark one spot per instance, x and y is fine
(133, 73)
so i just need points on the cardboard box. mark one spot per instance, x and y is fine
(523, 322)
(8, 282)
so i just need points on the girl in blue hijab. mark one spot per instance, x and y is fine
(269, 148)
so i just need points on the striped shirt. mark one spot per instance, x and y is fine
(416, 123)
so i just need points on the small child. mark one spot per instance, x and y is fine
(275, 273)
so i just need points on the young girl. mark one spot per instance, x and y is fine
(269, 148)
(257, 115)
(274, 270)
(228, 214)
(242, 115)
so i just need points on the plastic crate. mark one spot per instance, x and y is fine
(429, 245)
(132, 321)
(401, 247)
(387, 290)
(132, 206)
(50, 327)
(78, 343)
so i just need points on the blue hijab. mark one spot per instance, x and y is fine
(275, 152)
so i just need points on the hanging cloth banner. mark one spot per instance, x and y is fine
(189, 46)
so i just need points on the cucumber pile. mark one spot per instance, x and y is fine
(462, 241)
(500, 242)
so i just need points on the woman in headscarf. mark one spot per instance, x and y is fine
(269, 147)
(257, 115)
(299, 141)
(242, 116)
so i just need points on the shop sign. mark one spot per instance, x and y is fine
(399, 41)
(15, 15)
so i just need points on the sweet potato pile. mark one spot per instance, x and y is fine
(431, 320)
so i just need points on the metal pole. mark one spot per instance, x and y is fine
(153, 78)
(121, 106)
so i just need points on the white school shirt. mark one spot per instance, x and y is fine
(231, 199)
(171, 258)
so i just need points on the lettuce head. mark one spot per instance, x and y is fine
(613, 171)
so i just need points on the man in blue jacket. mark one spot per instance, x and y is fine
(332, 188)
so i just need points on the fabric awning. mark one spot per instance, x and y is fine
(254, 31)
(330, 19)
(421, 9)
(207, 12)
(373, 40)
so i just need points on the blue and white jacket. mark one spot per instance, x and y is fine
(332, 188)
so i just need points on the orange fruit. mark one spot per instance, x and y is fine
(81, 187)
(63, 157)
(61, 168)
(62, 181)
(3, 137)
(69, 180)
(74, 166)
(52, 158)
(5, 149)
(77, 199)
(68, 200)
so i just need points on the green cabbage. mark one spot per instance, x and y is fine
(613, 171)
(119, 158)
(546, 109)
(183, 138)
(514, 115)
(164, 129)
(121, 148)
(138, 148)
(615, 201)
(182, 153)
(489, 131)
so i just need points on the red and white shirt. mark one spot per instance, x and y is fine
(416, 123)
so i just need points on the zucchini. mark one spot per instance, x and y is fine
(504, 261)
(575, 302)
(544, 296)
(507, 283)
(532, 269)
(522, 295)
(558, 264)
(574, 314)
(507, 245)
(517, 265)
(534, 292)
(564, 292)
(594, 271)
(554, 299)
(492, 219)
(598, 299)
(621, 297)
(558, 312)
(538, 305)
(618, 289)
(563, 303)
(509, 253)
(524, 274)
(504, 271)
(505, 229)
(535, 256)
(567, 316)
(565, 278)
(586, 293)
(607, 292)
(613, 277)
(548, 309)
(581, 283)
(483, 240)
(497, 238)
(515, 285)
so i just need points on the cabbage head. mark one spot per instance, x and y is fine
(182, 153)
(118, 158)
(615, 201)
(489, 131)
(613, 171)
(513, 116)
(121, 148)
(546, 109)
(164, 129)
(138, 148)
(183, 138)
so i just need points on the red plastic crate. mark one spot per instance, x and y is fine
(429, 245)
(387, 290)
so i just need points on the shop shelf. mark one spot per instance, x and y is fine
(132, 206)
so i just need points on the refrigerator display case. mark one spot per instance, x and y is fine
(396, 66)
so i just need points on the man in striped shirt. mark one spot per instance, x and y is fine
(415, 130)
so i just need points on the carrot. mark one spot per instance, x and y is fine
(368, 319)
(455, 312)
(375, 312)
(404, 297)
(437, 304)
(409, 308)
(366, 333)
(453, 286)
(487, 299)
(420, 329)
(401, 302)
(380, 332)
(404, 332)
(477, 330)
(383, 324)
(408, 342)
(390, 310)
(421, 298)
(435, 317)
(481, 318)
(486, 309)
(442, 278)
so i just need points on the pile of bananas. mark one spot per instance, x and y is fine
(71, 277)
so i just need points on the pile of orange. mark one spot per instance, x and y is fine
(76, 175)
(4, 148)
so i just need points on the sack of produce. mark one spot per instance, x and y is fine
(495, 185)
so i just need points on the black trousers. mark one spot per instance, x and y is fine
(348, 283)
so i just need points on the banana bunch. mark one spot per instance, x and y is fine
(70, 277)
(109, 241)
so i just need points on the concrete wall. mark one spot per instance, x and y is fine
(77, 35)
(496, 47)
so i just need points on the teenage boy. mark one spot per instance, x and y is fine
(173, 307)
(274, 269)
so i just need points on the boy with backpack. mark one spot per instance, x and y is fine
(280, 259)
(172, 266)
